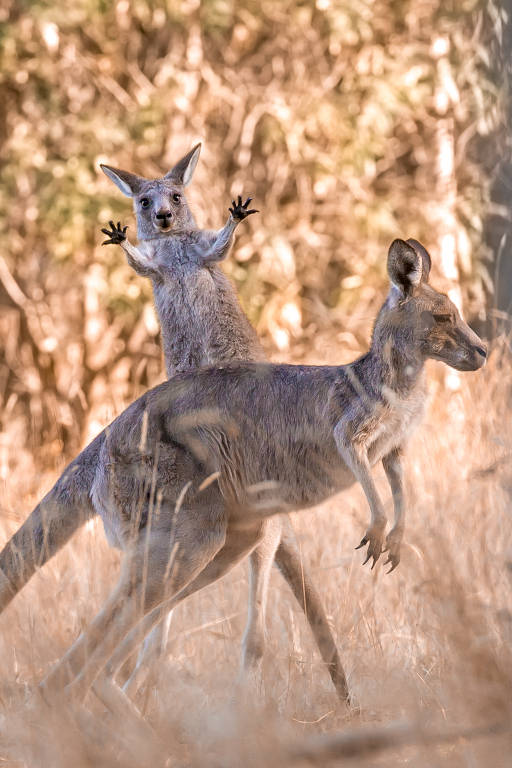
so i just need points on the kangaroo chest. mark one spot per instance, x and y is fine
(190, 312)
(392, 423)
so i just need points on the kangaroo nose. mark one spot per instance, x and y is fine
(163, 214)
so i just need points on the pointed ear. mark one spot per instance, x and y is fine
(425, 258)
(184, 169)
(128, 183)
(405, 266)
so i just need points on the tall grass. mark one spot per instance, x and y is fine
(426, 649)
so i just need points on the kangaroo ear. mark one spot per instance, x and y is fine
(405, 266)
(128, 183)
(425, 258)
(184, 169)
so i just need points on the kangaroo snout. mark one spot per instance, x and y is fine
(476, 351)
(479, 355)
(163, 219)
(472, 354)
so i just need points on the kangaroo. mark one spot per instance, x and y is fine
(202, 323)
(188, 471)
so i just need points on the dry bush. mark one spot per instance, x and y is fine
(350, 122)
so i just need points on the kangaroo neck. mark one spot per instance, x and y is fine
(396, 366)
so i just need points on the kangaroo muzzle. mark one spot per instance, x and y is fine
(163, 219)
(472, 353)
(478, 356)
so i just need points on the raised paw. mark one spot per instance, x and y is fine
(393, 542)
(374, 537)
(240, 211)
(115, 234)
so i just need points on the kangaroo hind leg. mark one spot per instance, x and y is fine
(260, 567)
(160, 564)
(288, 560)
(238, 544)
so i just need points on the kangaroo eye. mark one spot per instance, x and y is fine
(145, 202)
(442, 318)
(176, 197)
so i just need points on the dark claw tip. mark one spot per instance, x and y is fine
(364, 541)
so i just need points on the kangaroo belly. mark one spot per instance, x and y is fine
(272, 478)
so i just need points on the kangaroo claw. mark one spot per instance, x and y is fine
(393, 542)
(394, 562)
(240, 211)
(116, 234)
(372, 537)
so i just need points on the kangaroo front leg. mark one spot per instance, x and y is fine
(355, 457)
(392, 464)
(136, 259)
(222, 240)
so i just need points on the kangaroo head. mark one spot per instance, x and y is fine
(420, 318)
(160, 205)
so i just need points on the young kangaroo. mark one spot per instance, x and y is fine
(202, 323)
(188, 472)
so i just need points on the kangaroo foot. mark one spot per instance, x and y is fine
(374, 537)
(116, 235)
(239, 210)
(393, 542)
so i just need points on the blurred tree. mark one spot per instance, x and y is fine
(351, 122)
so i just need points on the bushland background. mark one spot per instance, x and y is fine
(350, 123)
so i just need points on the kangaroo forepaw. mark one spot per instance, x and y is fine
(393, 542)
(115, 234)
(374, 537)
(240, 211)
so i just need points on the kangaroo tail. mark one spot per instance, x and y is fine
(51, 524)
(289, 563)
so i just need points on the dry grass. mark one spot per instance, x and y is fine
(427, 648)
